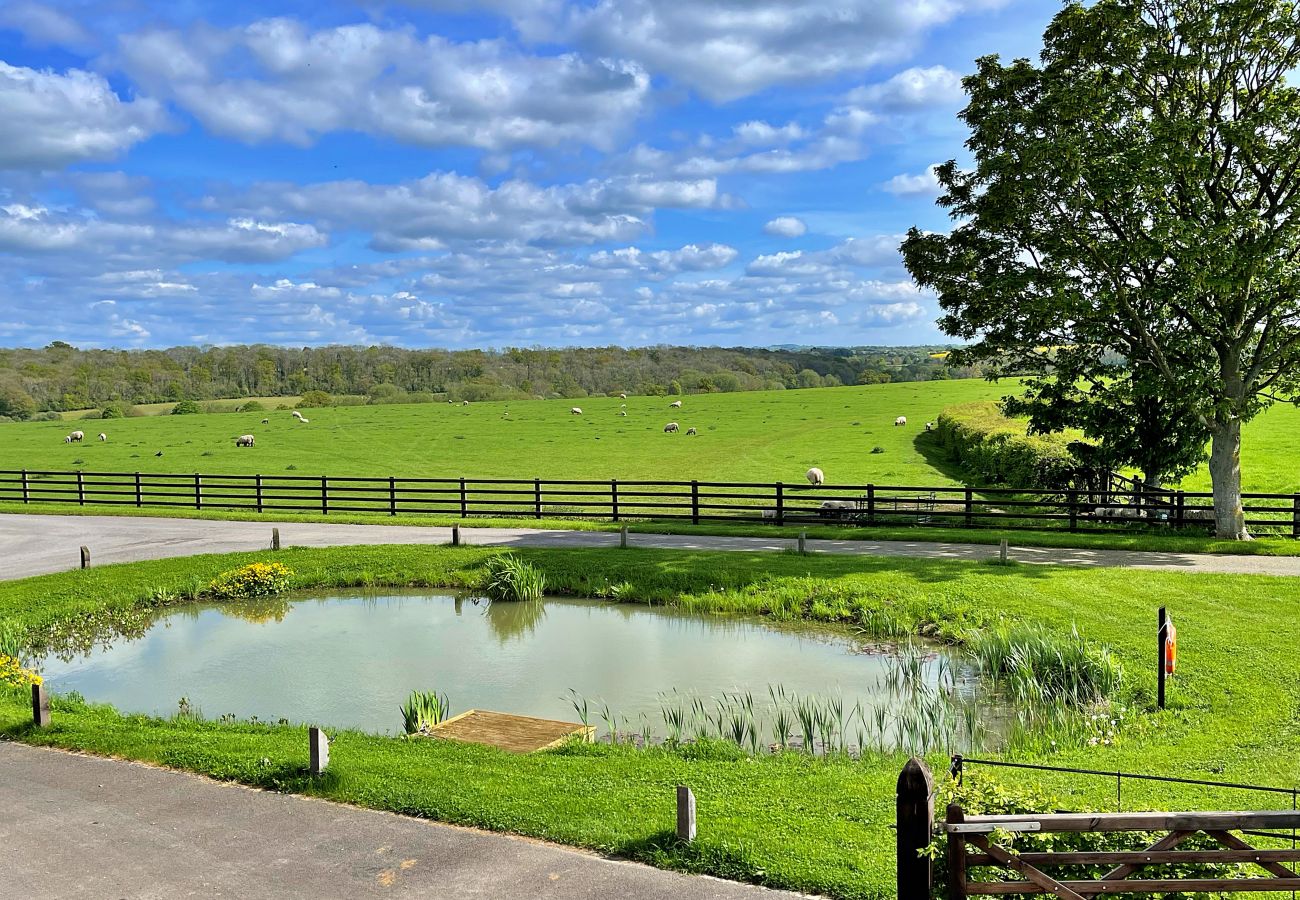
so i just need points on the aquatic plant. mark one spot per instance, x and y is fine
(511, 579)
(1036, 666)
(422, 710)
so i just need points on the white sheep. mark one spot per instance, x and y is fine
(691, 431)
(304, 420)
(102, 436)
(576, 410)
(622, 412)
(67, 439)
(266, 421)
(77, 436)
(676, 404)
(670, 427)
(929, 426)
(464, 403)
(296, 414)
(244, 440)
(816, 477)
(622, 396)
(901, 420)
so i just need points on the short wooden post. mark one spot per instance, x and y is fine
(1002, 551)
(139, 492)
(695, 502)
(455, 535)
(537, 498)
(85, 557)
(915, 829)
(198, 491)
(970, 503)
(25, 491)
(622, 537)
(803, 542)
(780, 503)
(320, 750)
(275, 539)
(1160, 658)
(685, 814)
(1072, 497)
(392, 496)
(956, 855)
(40, 706)
(613, 498)
(464, 502)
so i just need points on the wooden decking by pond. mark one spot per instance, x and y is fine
(518, 734)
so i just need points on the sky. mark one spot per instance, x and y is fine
(451, 173)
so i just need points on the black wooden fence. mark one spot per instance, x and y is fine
(694, 501)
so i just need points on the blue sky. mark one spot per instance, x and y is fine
(478, 174)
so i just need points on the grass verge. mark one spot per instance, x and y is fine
(785, 820)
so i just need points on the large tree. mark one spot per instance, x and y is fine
(1135, 194)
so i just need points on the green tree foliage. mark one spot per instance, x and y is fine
(187, 408)
(1134, 197)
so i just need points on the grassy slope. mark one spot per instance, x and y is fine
(785, 821)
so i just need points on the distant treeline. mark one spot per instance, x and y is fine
(61, 377)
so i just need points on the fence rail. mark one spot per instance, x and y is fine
(695, 501)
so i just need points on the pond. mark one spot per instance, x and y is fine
(348, 659)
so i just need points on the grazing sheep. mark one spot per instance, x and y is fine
(670, 427)
(929, 426)
(266, 421)
(576, 410)
(77, 436)
(244, 440)
(691, 431)
(815, 476)
(296, 414)
(837, 509)
(622, 396)
(102, 436)
(901, 420)
(304, 420)
(622, 412)
(67, 439)
(676, 404)
(464, 403)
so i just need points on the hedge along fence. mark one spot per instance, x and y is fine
(995, 449)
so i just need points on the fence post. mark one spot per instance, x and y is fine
(139, 491)
(25, 490)
(1073, 499)
(320, 750)
(275, 539)
(956, 855)
(1295, 517)
(257, 486)
(1160, 658)
(780, 503)
(40, 706)
(324, 496)
(871, 504)
(1181, 500)
(622, 538)
(613, 498)
(685, 814)
(970, 498)
(81, 489)
(455, 535)
(537, 498)
(1137, 491)
(803, 543)
(392, 495)
(464, 505)
(915, 829)
(198, 491)
(695, 502)
(85, 557)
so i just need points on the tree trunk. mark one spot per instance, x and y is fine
(1225, 477)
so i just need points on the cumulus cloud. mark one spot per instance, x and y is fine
(725, 50)
(49, 120)
(276, 80)
(912, 89)
(923, 184)
(44, 25)
(785, 226)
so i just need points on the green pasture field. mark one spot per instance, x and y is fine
(786, 820)
(755, 436)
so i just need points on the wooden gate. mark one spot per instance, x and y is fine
(972, 844)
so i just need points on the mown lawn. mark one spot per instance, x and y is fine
(786, 820)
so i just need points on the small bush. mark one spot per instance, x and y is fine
(48, 416)
(187, 408)
(256, 580)
(995, 449)
(12, 673)
(422, 710)
(510, 579)
(877, 449)
(251, 406)
(113, 411)
(316, 399)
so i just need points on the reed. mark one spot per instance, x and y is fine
(510, 579)
(422, 710)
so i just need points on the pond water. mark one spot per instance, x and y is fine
(349, 659)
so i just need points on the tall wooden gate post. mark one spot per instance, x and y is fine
(915, 830)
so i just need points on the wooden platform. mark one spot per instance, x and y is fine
(518, 734)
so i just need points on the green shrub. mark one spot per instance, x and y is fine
(511, 579)
(994, 449)
(251, 406)
(316, 399)
(113, 411)
(422, 710)
(255, 580)
(187, 408)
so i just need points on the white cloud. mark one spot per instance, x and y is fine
(785, 226)
(276, 80)
(923, 184)
(48, 120)
(912, 89)
(44, 25)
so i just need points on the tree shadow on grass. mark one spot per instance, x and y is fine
(663, 850)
